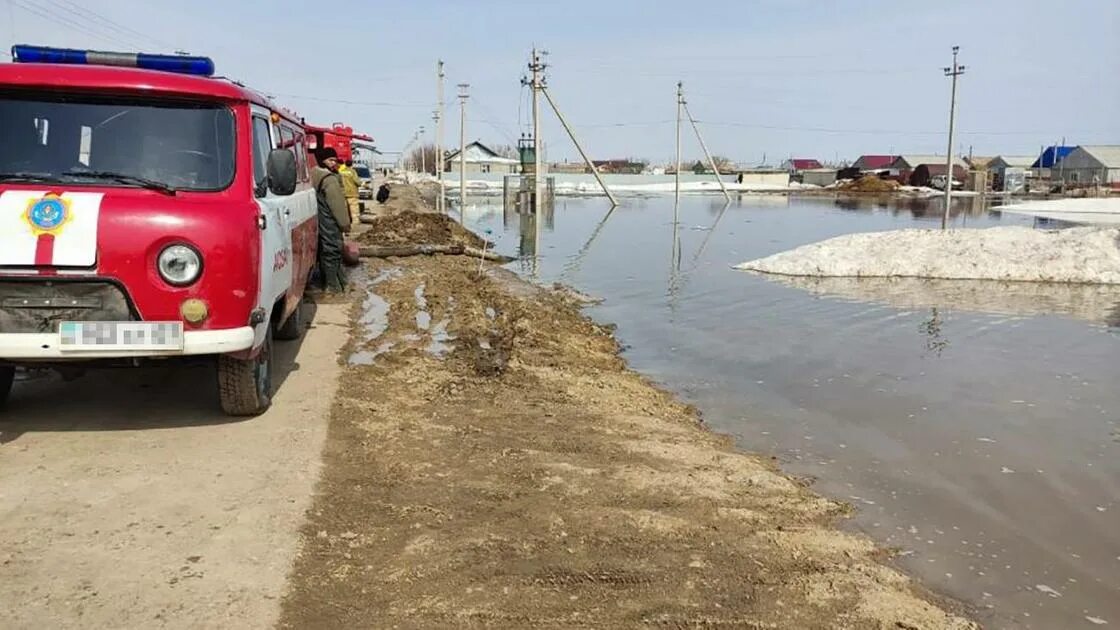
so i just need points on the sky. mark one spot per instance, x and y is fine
(763, 78)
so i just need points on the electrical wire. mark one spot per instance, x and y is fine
(116, 27)
(350, 102)
(905, 132)
(62, 20)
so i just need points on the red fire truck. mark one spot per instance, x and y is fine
(149, 211)
(338, 137)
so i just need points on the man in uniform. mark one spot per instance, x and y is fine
(334, 219)
(350, 185)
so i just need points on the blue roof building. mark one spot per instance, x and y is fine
(1051, 156)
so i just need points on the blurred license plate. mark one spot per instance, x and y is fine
(98, 336)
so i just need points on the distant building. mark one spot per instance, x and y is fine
(795, 165)
(979, 162)
(818, 176)
(924, 173)
(482, 159)
(1087, 165)
(626, 167)
(571, 168)
(1009, 172)
(873, 162)
(904, 166)
(763, 178)
(1051, 156)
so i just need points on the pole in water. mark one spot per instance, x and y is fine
(463, 96)
(677, 170)
(536, 85)
(583, 154)
(707, 154)
(953, 72)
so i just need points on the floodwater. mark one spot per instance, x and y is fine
(975, 426)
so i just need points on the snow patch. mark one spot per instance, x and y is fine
(1009, 253)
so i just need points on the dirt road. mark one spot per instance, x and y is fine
(492, 463)
(128, 501)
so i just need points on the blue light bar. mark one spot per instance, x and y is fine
(200, 66)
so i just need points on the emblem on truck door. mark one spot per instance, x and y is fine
(47, 215)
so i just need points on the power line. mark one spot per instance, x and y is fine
(349, 102)
(86, 14)
(873, 131)
(62, 20)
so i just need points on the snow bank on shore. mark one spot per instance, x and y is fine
(1097, 211)
(1012, 253)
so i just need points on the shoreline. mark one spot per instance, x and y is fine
(497, 463)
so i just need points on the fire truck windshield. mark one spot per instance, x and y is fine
(81, 139)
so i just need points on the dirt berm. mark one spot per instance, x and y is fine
(492, 462)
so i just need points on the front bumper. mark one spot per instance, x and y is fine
(45, 346)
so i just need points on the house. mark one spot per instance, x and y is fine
(800, 164)
(873, 162)
(1088, 165)
(904, 166)
(481, 159)
(979, 162)
(570, 168)
(818, 176)
(1051, 156)
(1009, 172)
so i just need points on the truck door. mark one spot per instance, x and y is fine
(276, 246)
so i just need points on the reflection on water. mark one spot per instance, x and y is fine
(1094, 303)
(935, 342)
(972, 423)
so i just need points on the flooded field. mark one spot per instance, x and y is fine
(975, 426)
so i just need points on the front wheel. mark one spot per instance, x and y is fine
(292, 328)
(245, 385)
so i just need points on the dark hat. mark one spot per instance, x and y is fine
(324, 154)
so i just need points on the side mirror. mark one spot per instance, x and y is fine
(282, 172)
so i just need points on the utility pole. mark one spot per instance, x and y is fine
(439, 135)
(435, 158)
(463, 96)
(711, 162)
(1061, 165)
(423, 158)
(677, 170)
(954, 72)
(536, 85)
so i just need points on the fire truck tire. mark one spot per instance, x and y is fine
(7, 377)
(292, 328)
(245, 385)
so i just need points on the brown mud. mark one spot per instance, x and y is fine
(495, 464)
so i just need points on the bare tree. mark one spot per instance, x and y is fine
(723, 164)
(423, 156)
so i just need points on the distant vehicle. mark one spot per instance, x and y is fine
(938, 182)
(149, 212)
(365, 191)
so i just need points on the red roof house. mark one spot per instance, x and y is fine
(874, 162)
(801, 164)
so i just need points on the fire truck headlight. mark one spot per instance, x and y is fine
(179, 265)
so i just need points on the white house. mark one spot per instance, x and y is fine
(482, 159)
(1085, 165)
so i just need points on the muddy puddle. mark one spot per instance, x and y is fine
(975, 426)
(373, 318)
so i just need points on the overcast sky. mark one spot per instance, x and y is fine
(800, 77)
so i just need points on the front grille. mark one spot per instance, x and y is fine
(39, 306)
